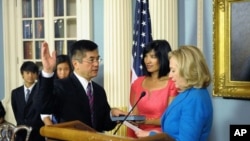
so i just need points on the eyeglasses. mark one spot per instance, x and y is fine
(93, 60)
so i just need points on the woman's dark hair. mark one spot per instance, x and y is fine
(161, 49)
(63, 59)
(2, 110)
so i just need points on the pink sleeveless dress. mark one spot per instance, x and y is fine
(153, 104)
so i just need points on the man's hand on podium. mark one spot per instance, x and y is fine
(137, 122)
(117, 112)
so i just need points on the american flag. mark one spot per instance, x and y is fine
(141, 36)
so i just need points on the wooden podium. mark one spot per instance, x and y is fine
(78, 131)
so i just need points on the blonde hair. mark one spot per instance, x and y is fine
(192, 66)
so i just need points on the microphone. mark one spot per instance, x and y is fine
(142, 95)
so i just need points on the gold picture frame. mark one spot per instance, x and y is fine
(230, 27)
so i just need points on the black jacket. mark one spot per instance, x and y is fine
(70, 102)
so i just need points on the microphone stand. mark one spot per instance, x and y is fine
(142, 95)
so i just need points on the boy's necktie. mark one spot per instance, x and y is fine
(27, 95)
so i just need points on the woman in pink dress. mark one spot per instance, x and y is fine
(160, 90)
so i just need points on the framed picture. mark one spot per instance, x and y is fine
(231, 52)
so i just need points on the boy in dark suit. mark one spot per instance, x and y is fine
(26, 105)
(77, 97)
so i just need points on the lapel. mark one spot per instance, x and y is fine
(81, 93)
(179, 98)
(76, 84)
(32, 93)
(21, 96)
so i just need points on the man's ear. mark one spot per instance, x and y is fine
(75, 63)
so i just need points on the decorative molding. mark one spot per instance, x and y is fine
(221, 4)
(225, 89)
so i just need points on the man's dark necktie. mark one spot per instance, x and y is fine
(91, 101)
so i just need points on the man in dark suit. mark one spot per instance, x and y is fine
(70, 96)
(26, 107)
